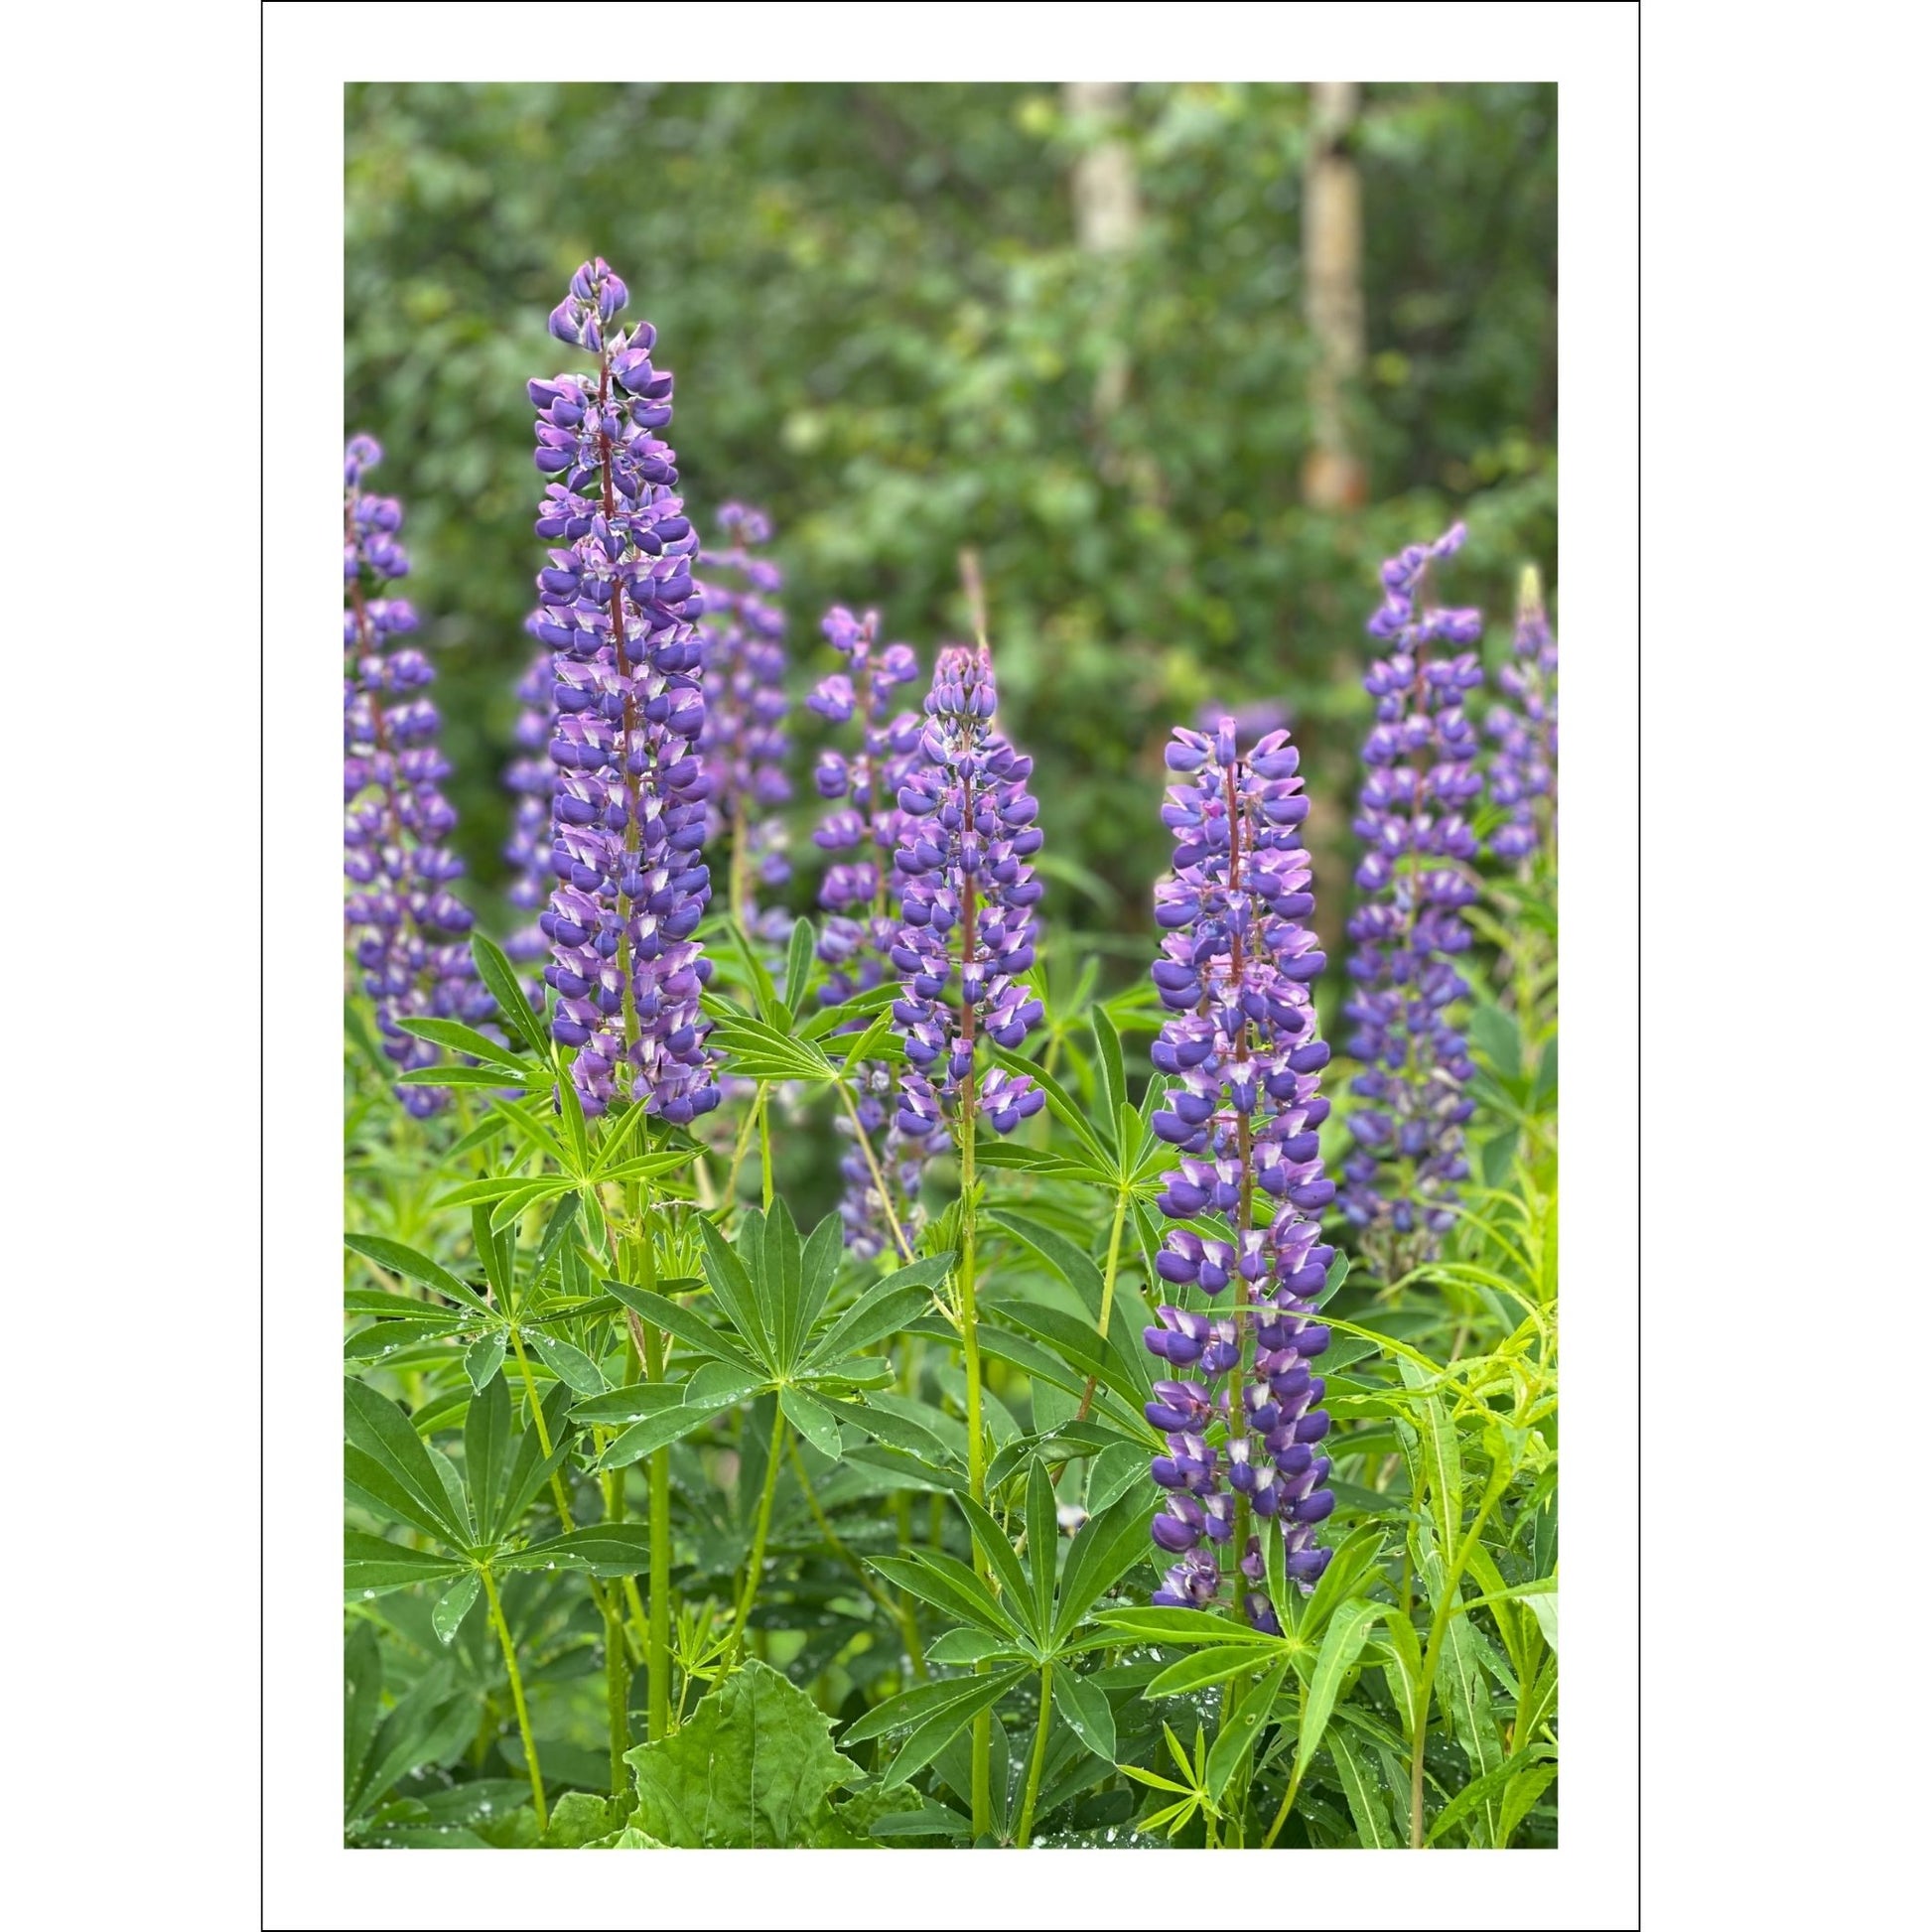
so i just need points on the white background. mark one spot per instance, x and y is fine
(153, 685)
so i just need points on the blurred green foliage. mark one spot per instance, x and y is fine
(885, 333)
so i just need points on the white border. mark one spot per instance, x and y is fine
(1590, 51)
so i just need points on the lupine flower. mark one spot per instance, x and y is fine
(744, 743)
(1523, 766)
(618, 609)
(1243, 1113)
(407, 922)
(962, 869)
(1406, 929)
(531, 777)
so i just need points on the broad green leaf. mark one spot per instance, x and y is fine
(484, 1358)
(485, 1454)
(1363, 1791)
(1063, 1105)
(1214, 1665)
(1084, 1705)
(1000, 1557)
(883, 1310)
(818, 1268)
(1106, 1548)
(798, 964)
(512, 1007)
(890, 1425)
(361, 1704)
(1237, 1737)
(372, 1565)
(604, 1548)
(567, 1364)
(670, 1423)
(1403, 1671)
(1139, 1623)
(370, 1485)
(532, 1468)
(1113, 1068)
(375, 1425)
(732, 1285)
(916, 1705)
(1463, 1692)
(454, 1606)
(966, 1646)
(404, 1261)
(692, 1329)
(1043, 1544)
(947, 1584)
(1484, 1791)
(1543, 1606)
(754, 1765)
(1066, 1258)
(1521, 1794)
(1341, 1645)
(1119, 1468)
(812, 1420)
(932, 1736)
(460, 1038)
(635, 1402)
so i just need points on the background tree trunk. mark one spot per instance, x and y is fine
(1333, 476)
(1106, 216)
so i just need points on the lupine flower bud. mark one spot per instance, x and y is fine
(408, 926)
(1414, 880)
(745, 742)
(1523, 766)
(618, 609)
(965, 839)
(1236, 965)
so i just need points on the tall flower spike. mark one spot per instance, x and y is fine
(1243, 1114)
(865, 821)
(618, 609)
(744, 743)
(407, 923)
(962, 869)
(1408, 928)
(1523, 766)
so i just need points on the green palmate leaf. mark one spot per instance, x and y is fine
(453, 1076)
(947, 1584)
(370, 1485)
(569, 1365)
(774, 1260)
(483, 1359)
(760, 1051)
(883, 1310)
(635, 1402)
(372, 1565)
(1113, 1067)
(404, 1261)
(991, 1542)
(691, 1329)
(1363, 1791)
(513, 1006)
(754, 1765)
(375, 1425)
(1117, 1469)
(730, 1282)
(1064, 1108)
(454, 1606)
(1348, 1631)
(812, 1420)
(961, 1646)
(670, 1423)
(531, 1468)
(430, 1724)
(918, 1705)
(1463, 1693)
(926, 1740)
(1543, 1606)
(1084, 1705)
(1066, 1258)
(1403, 1673)
(1105, 1550)
(1238, 1736)
(1353, 1558)
(361, 1704)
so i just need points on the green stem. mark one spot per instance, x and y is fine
(516, 1697)
(975, 1447)
(764, 1142)
(1431, 1656)
(1106, 1293)
(657, 1638)
(754, 1567)
(878, 1175)
(617, 1661)
(1039, 1763)
(1294, 1781)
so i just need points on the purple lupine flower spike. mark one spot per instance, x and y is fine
(860, 830)
(744, 743)
(963, 868)
(1413, 882)
(408, 924)
(617, 609)
(1523, 768)
(1244, 1111)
